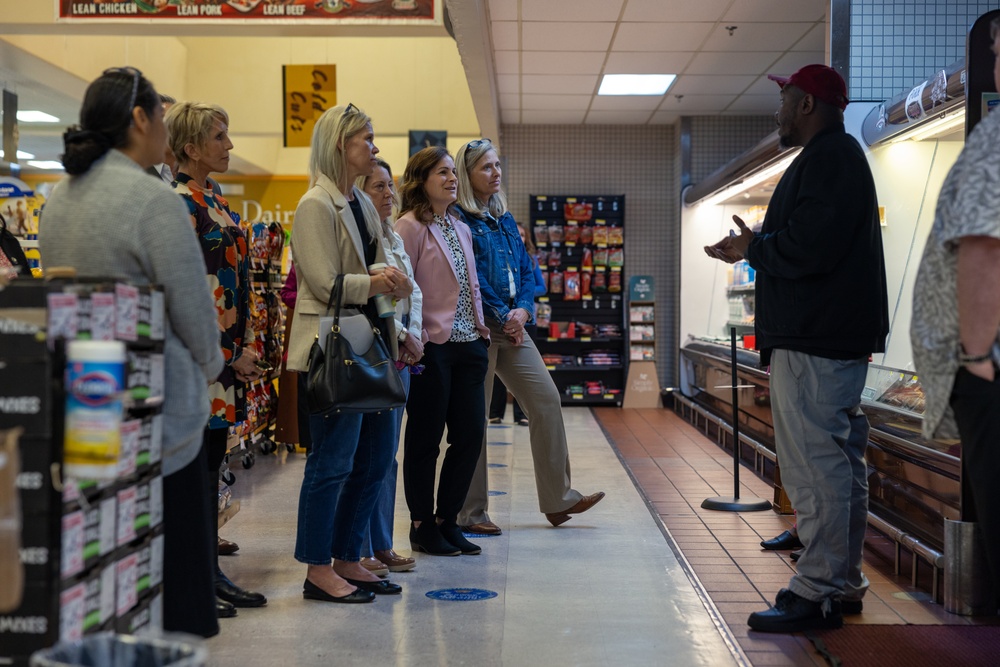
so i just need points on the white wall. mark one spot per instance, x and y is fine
(908, 176)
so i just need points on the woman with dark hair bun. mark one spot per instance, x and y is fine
(110, 219)
(450, 390)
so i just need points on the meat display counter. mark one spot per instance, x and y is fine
(913, 482)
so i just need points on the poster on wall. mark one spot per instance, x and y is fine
(420, 139)
(423, 12)
(19, 206)
(309, 90)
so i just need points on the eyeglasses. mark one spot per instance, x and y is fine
(136, 75)
(478, 142)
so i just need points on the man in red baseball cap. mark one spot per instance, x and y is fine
(821, 310)
(820, 81)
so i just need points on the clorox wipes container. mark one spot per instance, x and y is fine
(95, 382)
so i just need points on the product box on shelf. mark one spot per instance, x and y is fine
(149, 575)
(144, 376)
(38, 494)
(150, 451)
(88, 534)
(32, 626)
(26, 396)
(87, 603)
(147, 614)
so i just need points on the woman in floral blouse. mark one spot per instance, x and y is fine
(198, 136)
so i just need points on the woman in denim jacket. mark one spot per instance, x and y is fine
(507, 284)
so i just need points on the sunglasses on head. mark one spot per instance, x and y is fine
(478, 142)
(136, 75)
(350, 108)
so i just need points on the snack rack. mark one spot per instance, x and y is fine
(581, 319)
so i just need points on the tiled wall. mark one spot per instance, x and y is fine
(637, 161)
(715, 140)
(889, 42)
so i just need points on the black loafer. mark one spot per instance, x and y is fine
(793, 613)
(381, 587)
(311, 591)
(851, 607)
(224, 609)
(237, 596)
(784, 541)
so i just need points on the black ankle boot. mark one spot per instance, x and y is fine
(453, 534)
(427, 539)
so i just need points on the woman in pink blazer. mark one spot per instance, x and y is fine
(450, 392)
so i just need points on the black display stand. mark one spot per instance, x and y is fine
(583, 341)
(734, 503)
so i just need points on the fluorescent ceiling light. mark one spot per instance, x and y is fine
(636, 84)
(21, 155)
(46, 164)
(34, 116)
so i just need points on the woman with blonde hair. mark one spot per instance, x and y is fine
(338, 232)
(199, 139)
(508, 287)
(449, 392)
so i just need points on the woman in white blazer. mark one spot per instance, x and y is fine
(337, 231)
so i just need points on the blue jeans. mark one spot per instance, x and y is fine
(379, 536)
(343, 478)
(821, 436)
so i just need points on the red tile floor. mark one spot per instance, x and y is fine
(675, 466)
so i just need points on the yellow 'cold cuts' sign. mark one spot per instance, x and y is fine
(309, 91)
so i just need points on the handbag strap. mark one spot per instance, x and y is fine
(336, 296)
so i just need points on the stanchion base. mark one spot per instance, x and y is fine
(731, 504)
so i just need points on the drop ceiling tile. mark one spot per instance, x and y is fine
(764, 86)
(510, 101)
(675, 10)
(794, 60)
(664, 118)
(778, 10)
(618, 117)
(765, 105)
(507, 62)
(756, 37)
(626, 102)
(700, 84)
(510, 117)
(546, 117)
(564, 62)
(689, 105)
(508, 83)
(661, 36)
(579, 10)
(556, 102)
(550, 84)
(505, 36)
(715, 62)
(503, 10)
(814, 40)
(647, 62)
(567, 36)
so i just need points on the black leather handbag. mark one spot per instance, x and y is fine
(349, 365)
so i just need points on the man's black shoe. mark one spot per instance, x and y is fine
(793, 613)
(851, 607)
(238, 597)
(224, 609)
(787, 540)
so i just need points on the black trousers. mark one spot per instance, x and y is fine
(215, 448)
(188, 548)
(498, 402)
(450, 392)
(975, 402)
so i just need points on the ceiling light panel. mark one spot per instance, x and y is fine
(35, 116)
(45, 164)
(636, 84)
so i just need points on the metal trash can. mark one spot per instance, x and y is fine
(107, 649)
(967, 589)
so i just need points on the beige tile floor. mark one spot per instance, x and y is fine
(606, 588)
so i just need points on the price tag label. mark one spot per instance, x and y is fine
(126, 312)
(63, 310)
(102, 316)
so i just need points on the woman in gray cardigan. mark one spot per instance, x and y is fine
(109, 219)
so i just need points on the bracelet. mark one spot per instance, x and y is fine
(967, 359)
